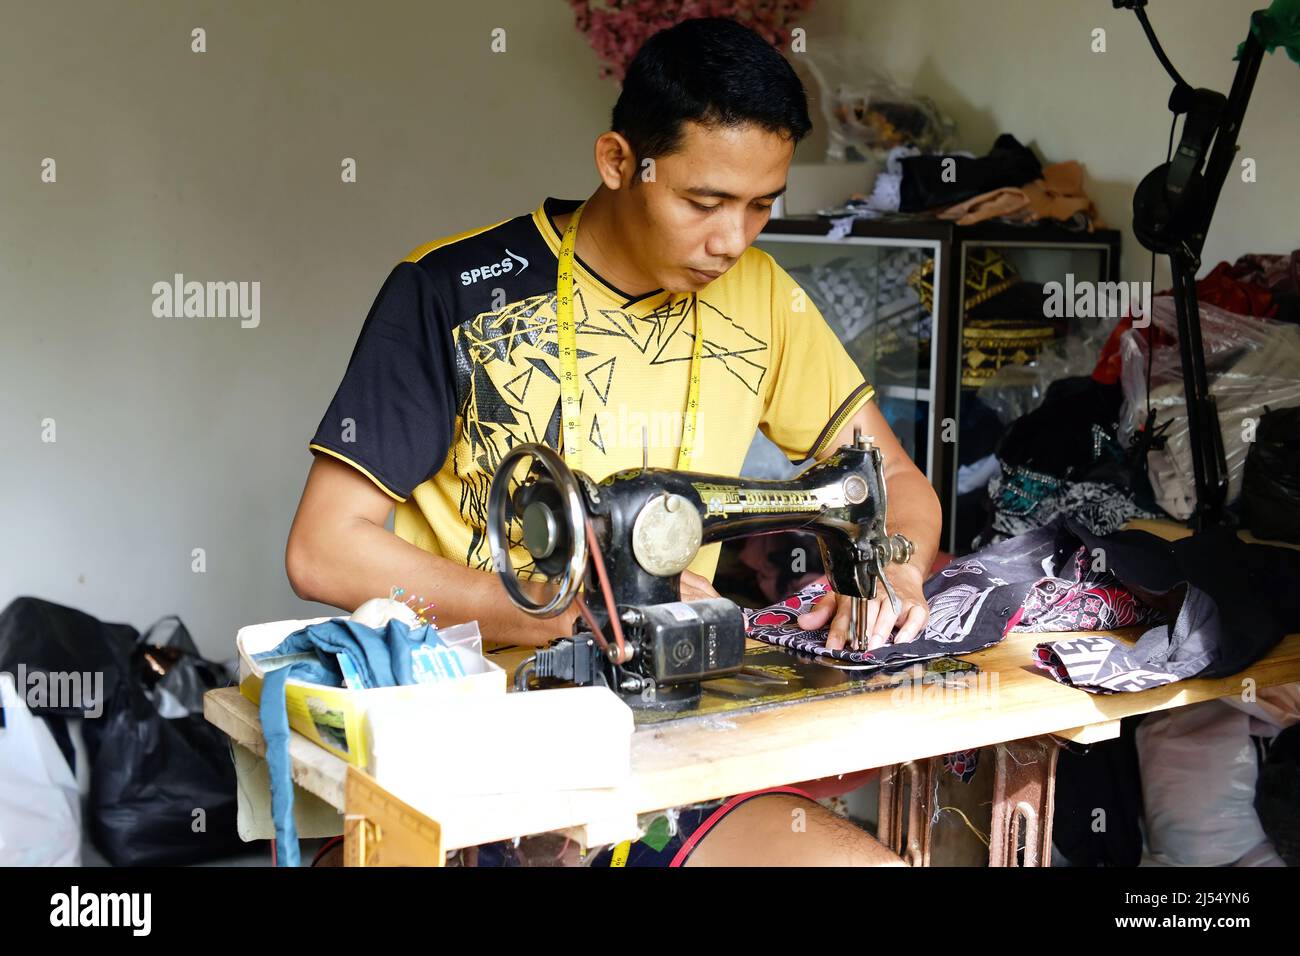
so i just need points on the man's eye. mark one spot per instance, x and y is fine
(704, 208)
(763, 205)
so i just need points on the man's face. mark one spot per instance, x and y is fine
(706, 203)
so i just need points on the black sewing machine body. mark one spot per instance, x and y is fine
(648, 524)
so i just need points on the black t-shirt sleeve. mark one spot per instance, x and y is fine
(393, 414)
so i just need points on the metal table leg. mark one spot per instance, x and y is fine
(1024, 789)
(912, 782)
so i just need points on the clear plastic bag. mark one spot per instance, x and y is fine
(1016, 390)
(866, 113)
(1250, 363)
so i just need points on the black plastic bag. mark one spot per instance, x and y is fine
(42, 638)
(1277, 794)
(166, 659)
(162, 789)
(1270, 492)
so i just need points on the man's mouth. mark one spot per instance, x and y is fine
(703, 276)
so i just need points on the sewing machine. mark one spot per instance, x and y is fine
(626, 540)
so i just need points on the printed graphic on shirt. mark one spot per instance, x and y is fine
(507, 372)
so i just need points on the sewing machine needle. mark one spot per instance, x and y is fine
(857, 623)
(852, 635)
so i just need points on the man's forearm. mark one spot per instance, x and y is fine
(914, 509)
(914, 512)
(358, 560)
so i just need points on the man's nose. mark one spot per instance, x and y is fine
(728, 241)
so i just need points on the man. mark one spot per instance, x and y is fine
(458, 361)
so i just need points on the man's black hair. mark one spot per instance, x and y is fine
(711, 70)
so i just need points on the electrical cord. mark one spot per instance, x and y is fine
(1160, 53)
(598, 559)
(524, 671)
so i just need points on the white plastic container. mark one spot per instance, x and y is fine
(570, 738)
(337, 718)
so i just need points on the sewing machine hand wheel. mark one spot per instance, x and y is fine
(551, 521)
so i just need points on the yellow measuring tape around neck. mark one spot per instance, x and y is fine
(570, 387)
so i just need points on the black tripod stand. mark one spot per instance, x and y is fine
(1172, 209)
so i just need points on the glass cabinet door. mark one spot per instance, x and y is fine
(866, 290)
(1013, 345)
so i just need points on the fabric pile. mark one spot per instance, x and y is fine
(1227, 604)
(1213, 605)
(1008, 184)
(1041, 581)
(1058, 194)
(1085, 450)
(1064, 458)
(1251, 334)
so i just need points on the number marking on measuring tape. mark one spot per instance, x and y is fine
(570, 387)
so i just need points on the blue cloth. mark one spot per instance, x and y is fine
(381, 657)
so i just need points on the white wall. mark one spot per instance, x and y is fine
(175, 434)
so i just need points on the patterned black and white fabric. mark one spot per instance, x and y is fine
(858, 297)
(1042, 581)
(1213, 605)
(1226, 603)
(1102, 664)
(1102, 508)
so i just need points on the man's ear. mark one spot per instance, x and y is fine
(615, 161)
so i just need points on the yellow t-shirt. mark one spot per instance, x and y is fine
(458, 362)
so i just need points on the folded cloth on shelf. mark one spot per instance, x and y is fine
(1057, 195)
(940, 180)
(1007, 201)
(1044, 580)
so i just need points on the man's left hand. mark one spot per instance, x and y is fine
(881, 619)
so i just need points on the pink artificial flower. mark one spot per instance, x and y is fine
(616, 29)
